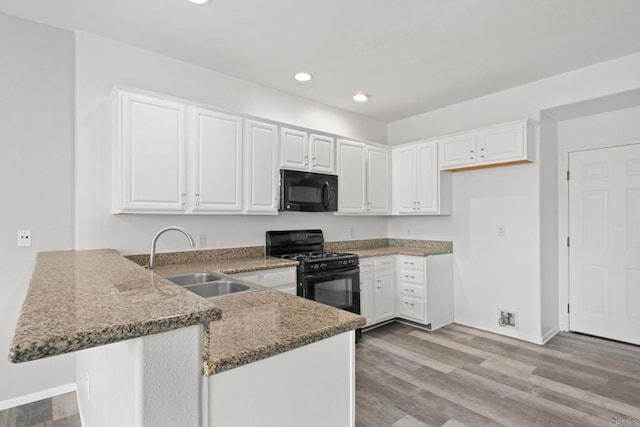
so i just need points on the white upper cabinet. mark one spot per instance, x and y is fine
(294, 149)
(418, 185)
(148, 154)
(508, 143)
(301, 151)
(503, 143)
(378, 177)
(170, 157)
(363, 178)
(459, 150)
(323, 154)
(217, 160)
(351, 176)
(261, 167)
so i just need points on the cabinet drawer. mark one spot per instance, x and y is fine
(413, 276)
(384, 263)
(277, 278)
(413, 263)
(412, 308)
(366, 265)
(411, 290)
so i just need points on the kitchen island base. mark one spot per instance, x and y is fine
(309, 386)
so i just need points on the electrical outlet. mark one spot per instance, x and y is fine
(501, 231)
(202, 241)
(24, 237)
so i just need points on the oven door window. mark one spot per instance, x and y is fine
(340, 290)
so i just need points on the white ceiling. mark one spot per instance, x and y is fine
(411, 56)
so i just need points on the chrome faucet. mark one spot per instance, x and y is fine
(158, 234)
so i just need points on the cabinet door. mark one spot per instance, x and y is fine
(323, 154)
(294, 149)
(377, 180)
(217, 160)
(351, 176)
(367, 297)
(261, 167)
(427, 177)
(150, 147)
(383, 295)
(404, 179)
(500, 144)
(458, 151)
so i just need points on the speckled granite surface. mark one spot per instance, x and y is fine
(232, 266)
(381, 247)
(82, 299)
(262, 324)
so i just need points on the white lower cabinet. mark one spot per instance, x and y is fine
(377, 289)
(423, 291)
(281, 279)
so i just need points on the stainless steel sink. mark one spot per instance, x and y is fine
(219, 288)
(194, 278)
(212, 285)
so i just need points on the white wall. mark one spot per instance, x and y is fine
(494, 272)
(606, 129)
(101, 63)
(36, 169)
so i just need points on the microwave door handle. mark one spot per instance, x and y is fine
(325, 195)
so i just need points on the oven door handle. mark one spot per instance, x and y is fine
(332, 273)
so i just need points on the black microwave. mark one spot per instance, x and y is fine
(308, 191)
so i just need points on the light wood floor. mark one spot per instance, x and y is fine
(457, 376)
(58, 411)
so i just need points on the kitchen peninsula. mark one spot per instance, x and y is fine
(158, 367)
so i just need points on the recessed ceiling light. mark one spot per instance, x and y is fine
(360, 97)
(199, 1)
(303, 77)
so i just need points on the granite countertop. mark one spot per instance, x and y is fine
(396, 250)
(82, 299)
(225, 266)
(262, 324)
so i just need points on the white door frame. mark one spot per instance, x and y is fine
(563, 226)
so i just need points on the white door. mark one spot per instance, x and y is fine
(457, 151)
(153, 159)
(261, 167)
(351, 176)
(323, 154)
(217, 164)
(377, 180)
(604, 251)
(502, 143)
(366, 297)
(294, 149)
(384, 291)
(427, 177)
(404, 179)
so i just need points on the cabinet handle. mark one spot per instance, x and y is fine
(471, 151)
(306, 160)
(183, 197)
(406, 302)
(379, 281)
(411, 304)
(197, 199)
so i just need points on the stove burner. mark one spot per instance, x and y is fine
(309, 256)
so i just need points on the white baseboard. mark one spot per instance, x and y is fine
(44, 394)
(534, 339)
(552, 333)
